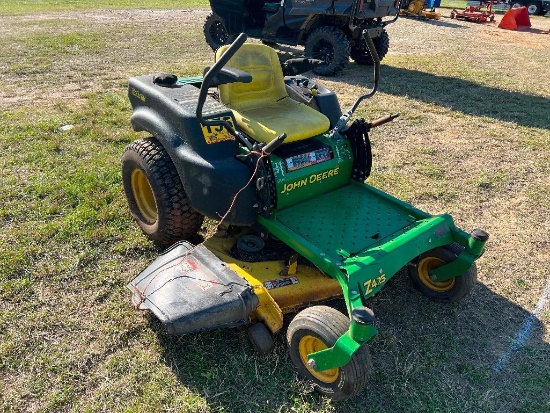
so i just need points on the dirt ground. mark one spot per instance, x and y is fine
(428, 36)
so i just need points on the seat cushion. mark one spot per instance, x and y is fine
(262, 108)
(265, 122)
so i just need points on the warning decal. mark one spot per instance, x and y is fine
(281, 282)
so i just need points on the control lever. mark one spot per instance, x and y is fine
(274, 144)
(383, 120)
(344, 119)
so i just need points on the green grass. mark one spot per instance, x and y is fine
(471, 140)
(32, 6)
(35, 6)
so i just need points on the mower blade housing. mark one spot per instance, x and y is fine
(189, 289)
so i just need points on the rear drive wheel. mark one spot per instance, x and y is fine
(215, 32)
(361, 54)
(330, 45)
(450, 290)
(155, 194)
(317, 328)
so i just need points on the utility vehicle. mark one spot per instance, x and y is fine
(274, 160)
(534, 7)
(330, 30)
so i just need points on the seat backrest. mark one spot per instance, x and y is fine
(267, 84)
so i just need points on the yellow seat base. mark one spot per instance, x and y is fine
(266, 122)
(262, 108)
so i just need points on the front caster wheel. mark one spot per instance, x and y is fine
(450, 290)
(317, 328)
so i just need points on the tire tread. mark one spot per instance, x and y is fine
(177, 220)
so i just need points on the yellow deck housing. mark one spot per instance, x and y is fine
(297, 290)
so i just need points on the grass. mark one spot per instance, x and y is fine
(473, 140)
(35, 6)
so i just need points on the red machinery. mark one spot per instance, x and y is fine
(515, 18)
(475, 13)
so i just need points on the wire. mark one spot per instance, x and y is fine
(142, 293)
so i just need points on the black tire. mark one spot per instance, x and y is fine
(361, 55)
(515, 4)
(215, 33)
(319, 327)
(534, 8)
(155, 193)
(329, 44)
(448, 291)
(261, 338)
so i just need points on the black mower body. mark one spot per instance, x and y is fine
(210, 172)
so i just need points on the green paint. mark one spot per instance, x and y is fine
(341, 353)
(305, 183)
(362, 237)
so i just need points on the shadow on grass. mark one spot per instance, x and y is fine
(427, 357)
(457, 94)
(532, 30)
(433, 22)
(467, 97)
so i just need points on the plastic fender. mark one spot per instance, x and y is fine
(210, 184)
(148, 120)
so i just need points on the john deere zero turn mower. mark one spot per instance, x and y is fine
(274, 158)
(330, 30)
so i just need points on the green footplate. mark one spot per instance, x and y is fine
(349, 219)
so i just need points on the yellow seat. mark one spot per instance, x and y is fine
(262, 108)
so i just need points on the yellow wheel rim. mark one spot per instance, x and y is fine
(308, 345)
(425, 266)
(143, 194)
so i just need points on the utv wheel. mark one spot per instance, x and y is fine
(317, 328)
(215, 32)
(361, 55)
(261, 338)
(451, 290)
(534, 8)
(330, 45)
(155, 194)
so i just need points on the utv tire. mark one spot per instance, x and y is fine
(361, 55)
(317, 328)
(448, 291)
(534, 8)
(329, 44)
(215, 32)
(155, 193)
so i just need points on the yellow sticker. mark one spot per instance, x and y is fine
(370, 285)
(215, 134)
